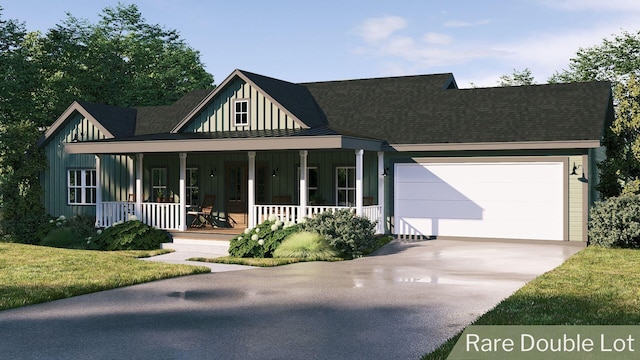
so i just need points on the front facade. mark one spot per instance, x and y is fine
(415, 154)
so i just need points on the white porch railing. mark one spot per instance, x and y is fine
(164, 216)
(289, 213)
(167, 216)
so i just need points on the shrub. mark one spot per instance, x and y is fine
(130, 235)
(261, 241)
(352, 236)
(306, 245)
(68, 233)
(615, 222)
(64, 237)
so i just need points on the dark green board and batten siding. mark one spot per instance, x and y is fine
(218, 115)
(285, 163)
(115, 169)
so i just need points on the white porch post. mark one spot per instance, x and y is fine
(381, 179)
(252, 188)
(359, 186)
(183, 193)
(99, 221)
(303, 184)
(139, 170)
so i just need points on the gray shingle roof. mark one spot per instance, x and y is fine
(410, 110)
(423, 109)
(118, 121)
(294, 97)
(162, 119)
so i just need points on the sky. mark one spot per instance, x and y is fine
(305, 41)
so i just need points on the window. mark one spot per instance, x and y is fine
(241, 112)
(313, 196)
(82, 186)
(193, 189)
(159, 183)
(345, 186)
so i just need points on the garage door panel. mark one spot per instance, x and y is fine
(496, 200)
(441, 209)
(436, 191)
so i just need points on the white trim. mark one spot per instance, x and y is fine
(194, 145)
(82, 186)
(246, 113)
(346, 188)
(381, 183)
(251, 184)
(304, 191)
(523, 145)
(182, 224)
(139, 172)
(359, 185)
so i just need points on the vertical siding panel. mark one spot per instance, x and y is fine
(576, 220)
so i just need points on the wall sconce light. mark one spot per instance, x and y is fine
(213, 173)
(574, 171)
(275, 172)
(385, 172)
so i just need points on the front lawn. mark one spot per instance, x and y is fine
(34, 274)
(596, 286)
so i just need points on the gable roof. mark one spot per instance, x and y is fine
(421, 112)
(294, 99)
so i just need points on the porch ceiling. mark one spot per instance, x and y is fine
(163, 143)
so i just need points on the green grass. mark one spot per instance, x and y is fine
(35, 274)
(596, 286)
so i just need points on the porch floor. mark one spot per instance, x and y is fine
(208, 233)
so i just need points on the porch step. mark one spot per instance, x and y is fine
(214, 247)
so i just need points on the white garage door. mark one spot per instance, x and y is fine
(509, 200)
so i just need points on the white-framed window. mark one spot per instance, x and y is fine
(81, 185)
(345, 186)
(193, 187)
(241, 112)
(159, 183)
(313, 196)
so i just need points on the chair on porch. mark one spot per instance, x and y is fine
(367, 200)
(204, 215)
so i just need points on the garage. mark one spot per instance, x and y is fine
(483, 199)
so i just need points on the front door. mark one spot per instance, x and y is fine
(236, 190)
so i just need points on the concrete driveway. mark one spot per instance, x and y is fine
(399, 304)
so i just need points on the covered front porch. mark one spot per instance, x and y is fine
(249, 187)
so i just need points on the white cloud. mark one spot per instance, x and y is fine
(437, 38)
(378, 29)
(456, 23)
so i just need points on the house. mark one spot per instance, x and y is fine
(415, 153)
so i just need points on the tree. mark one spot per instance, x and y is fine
(517, 78)
(620, 171)
(21, 161)
(617, 61)
(121, 60)
(613, 60)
